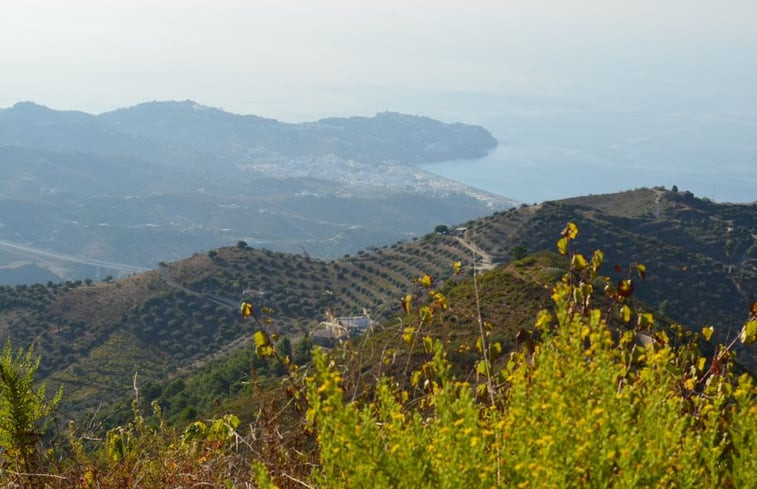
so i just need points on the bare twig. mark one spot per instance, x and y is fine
(303, 484)
(27, 474)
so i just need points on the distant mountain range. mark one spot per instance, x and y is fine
(162, 180)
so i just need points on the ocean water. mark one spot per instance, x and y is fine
(542, 158)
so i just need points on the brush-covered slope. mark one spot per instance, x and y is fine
(701, 256)
(93, 337)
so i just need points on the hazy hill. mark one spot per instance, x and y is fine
(386, 136)
(161, 180)
(191, 135)
(181, 316)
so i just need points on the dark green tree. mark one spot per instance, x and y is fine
(519, 252)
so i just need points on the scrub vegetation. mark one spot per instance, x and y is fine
(593, 390)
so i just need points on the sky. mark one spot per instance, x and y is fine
(645, 63)
(304, 59)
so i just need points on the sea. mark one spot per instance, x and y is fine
(541, 159)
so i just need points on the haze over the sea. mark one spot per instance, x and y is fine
(585, 97)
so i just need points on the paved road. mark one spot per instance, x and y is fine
(37, 253)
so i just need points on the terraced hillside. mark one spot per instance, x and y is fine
(701, 256)
(93, 337)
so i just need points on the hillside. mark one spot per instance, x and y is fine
(93, 337)
(162, 180)
(701, 256)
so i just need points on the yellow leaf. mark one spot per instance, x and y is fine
(646, 320)
(562, 245)
(707, 332)
(456, 266)
(579, 262)
(426, 281)
(597, 259)
(261, 339)
(426, 313)
(749, 332)
(701, 363)
(407, 335)
(428, 344)
(570, 231)
(625, 313)
(543, 319)
(439, 299)
(482, 367)
(407, 303)
(246, 309)
(495, 349)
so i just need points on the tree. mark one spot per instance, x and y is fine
(519, 252)
(23, 409)
(441, 229)
(241, 244)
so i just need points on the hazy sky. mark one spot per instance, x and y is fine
(629, 92)
(304, 59)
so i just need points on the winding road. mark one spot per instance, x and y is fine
(486, 259)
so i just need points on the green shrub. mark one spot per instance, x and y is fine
(587, 406)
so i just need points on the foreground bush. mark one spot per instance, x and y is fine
(587, 406)
(594, 397)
